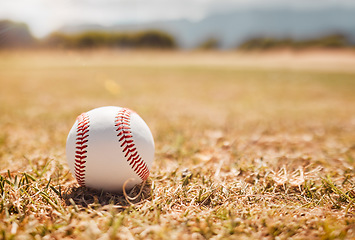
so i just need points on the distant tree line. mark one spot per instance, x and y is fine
(18, 35)
(266, 43)
(85, 40)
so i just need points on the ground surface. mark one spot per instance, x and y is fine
(248, 146)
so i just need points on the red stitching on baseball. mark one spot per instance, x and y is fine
(82, 133)
(122, 122)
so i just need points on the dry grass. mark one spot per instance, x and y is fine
(247, 146)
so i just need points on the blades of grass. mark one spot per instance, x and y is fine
(199, 195)
(15, 182)
(50, 202)
(22, 181)
(186, 180)
(207, 196)
(45, 168)
(8, 182)
(26, 178)
(30, 177)
(2, 184)
(29, 196)
(9, 174)
(334, 203)
(48, 183)
(348, 207)
(76, 209)
(56, 191)
(335, 189)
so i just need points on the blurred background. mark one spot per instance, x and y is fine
(177, 24)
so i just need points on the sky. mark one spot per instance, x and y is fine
(46, 16)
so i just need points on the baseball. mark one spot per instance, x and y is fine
(109, 146)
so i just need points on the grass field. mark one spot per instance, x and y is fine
(248, 146)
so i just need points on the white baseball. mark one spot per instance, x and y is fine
(108, 146)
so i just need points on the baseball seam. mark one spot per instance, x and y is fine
(82, 134)
(125, 137)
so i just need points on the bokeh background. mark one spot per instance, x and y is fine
(226, 24)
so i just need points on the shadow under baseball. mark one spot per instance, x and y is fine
(85, 197)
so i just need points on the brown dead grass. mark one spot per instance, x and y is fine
(248, 145)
